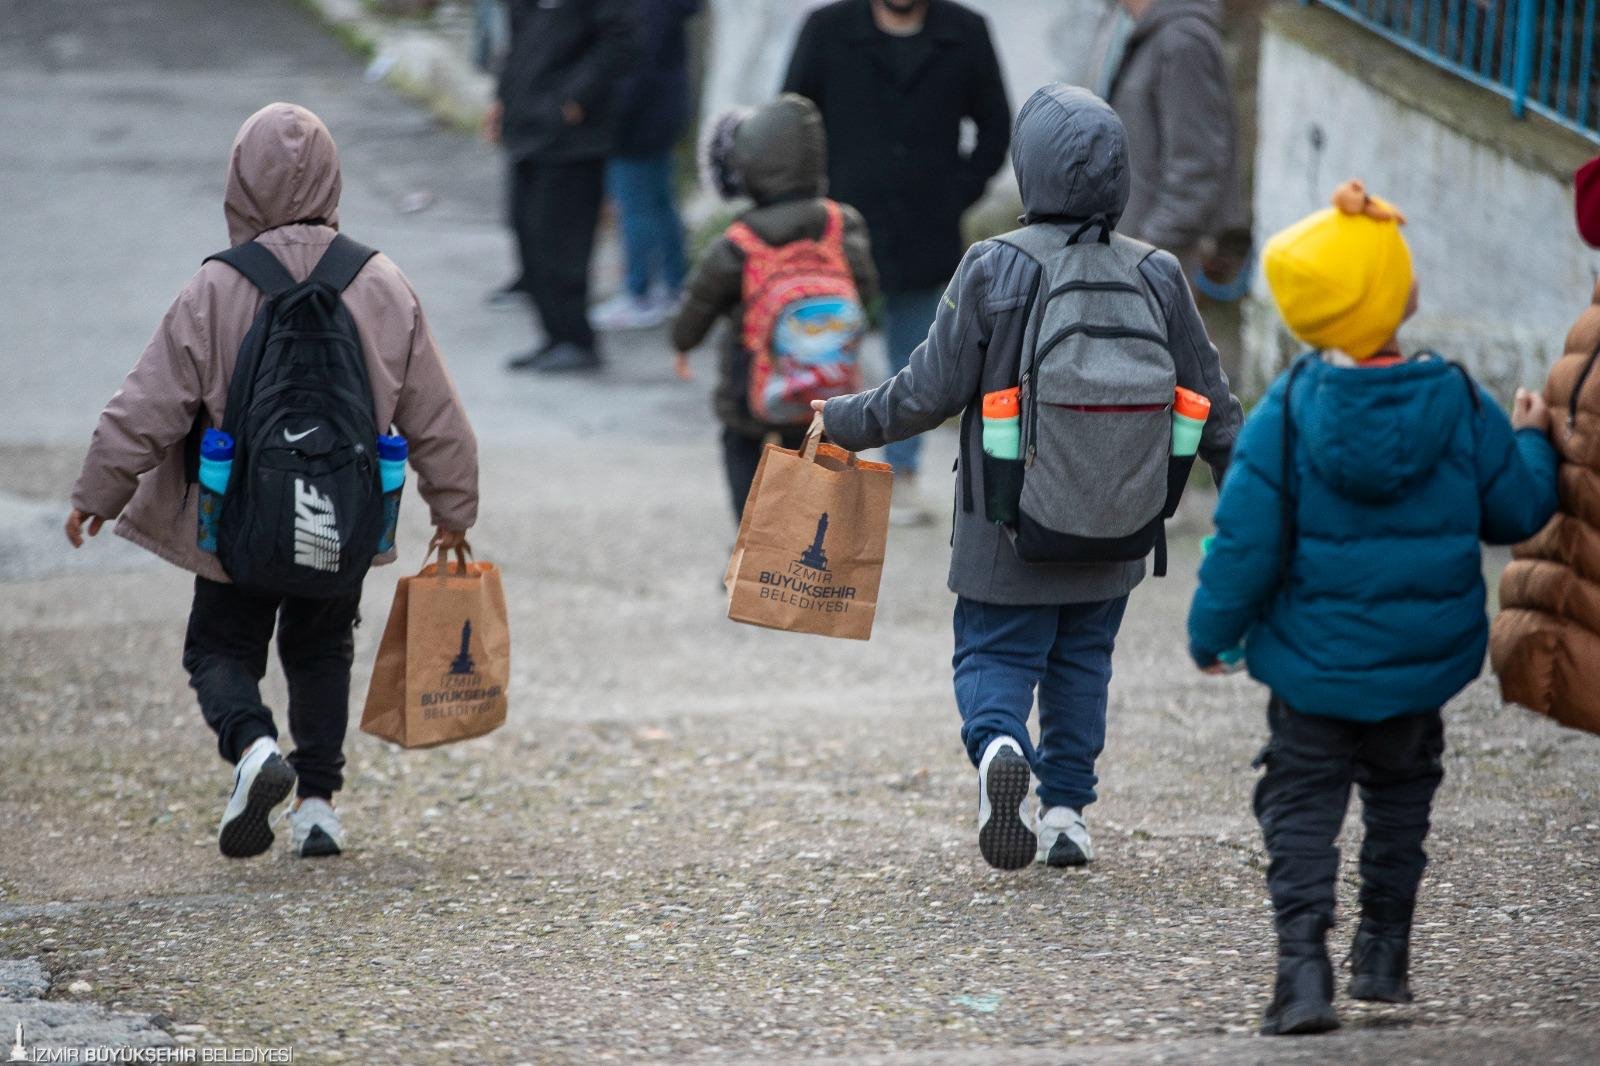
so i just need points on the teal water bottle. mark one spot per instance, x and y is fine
(392, 453)
(1002, 424)
(1189, 413)
(216, 466)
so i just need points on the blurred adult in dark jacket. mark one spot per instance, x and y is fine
(653, 111)
(556, 115)
(894, 80)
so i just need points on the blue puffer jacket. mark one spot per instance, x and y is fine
(1397, 474)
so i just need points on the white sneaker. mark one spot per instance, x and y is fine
(1005, 833)
(261, 781)
(905, 504)
(625, 311)
(1064, 837)
(315, 829)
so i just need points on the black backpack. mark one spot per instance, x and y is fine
(304, 508)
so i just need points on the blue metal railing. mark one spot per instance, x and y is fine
(1539, 54)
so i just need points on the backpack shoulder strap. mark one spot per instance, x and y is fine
(1289, 531)
(745, 239)
(1036, 241)
(259, 266)
(341, 263)
(833, 226)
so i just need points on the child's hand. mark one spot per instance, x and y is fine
(681, 367)
(75, 522)
(1529, 411)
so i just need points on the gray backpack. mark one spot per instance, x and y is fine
(1096, 479)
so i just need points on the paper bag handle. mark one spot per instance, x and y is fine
(463, 553)
(808, 446)
(813, 439)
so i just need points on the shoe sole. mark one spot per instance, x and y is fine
(1379, 990)
(1065, 855)
(319, 845)
(1302, 1023)
(250, 833)
(1005, 840)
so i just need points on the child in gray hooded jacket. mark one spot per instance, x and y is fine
(1019, 626)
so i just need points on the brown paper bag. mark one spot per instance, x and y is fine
(445, 660)
(809, 554)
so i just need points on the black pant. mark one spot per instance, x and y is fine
(555, 208)
(1300, 801)
(226, 656)
(740, 457)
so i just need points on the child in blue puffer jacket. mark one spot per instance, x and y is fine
(1347, 564)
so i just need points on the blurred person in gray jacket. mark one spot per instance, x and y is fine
(1159, 63)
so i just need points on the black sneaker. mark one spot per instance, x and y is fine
(567, 358)
(1005, 838)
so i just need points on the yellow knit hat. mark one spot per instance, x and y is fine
(1342, 277)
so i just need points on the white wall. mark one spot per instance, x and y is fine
(1501, 270)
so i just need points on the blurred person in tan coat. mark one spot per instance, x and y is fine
(283, 186)
(1545, 645)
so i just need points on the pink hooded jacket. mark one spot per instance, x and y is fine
(283, 191)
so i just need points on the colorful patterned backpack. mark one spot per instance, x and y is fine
(803, 321)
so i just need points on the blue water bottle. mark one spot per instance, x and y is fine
(392, 452)
(216, 466)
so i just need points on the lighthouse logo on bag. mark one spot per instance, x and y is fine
(808, 584)
(461, 690)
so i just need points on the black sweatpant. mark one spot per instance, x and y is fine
(555, 208)
(226, 656)
(740, 457)
(1311, 762)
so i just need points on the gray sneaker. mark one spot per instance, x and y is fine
(1063, 838)
(261, 781)
(315, 829)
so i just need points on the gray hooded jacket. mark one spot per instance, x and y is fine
(1070, 156)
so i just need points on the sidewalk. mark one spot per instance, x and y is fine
(428, 59)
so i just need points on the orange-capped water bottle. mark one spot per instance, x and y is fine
(1189, 413)
(1002, 424)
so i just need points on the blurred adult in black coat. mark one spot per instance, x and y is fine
(556, 114)
(895, 79)
(653, 112)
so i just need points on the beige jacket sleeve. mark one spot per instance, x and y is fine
(444, 450)
(151, 413)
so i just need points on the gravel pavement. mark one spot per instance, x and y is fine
(693, 840)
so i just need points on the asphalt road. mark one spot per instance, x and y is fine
(693, 840)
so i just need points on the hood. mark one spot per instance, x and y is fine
(1071, 156)
(1163, 12)
(781, 152)
(283, 168)
(1373, 433)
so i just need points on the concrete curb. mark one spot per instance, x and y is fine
(37, 1024)
(415, 58)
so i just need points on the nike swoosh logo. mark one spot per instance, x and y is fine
(292, 437)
